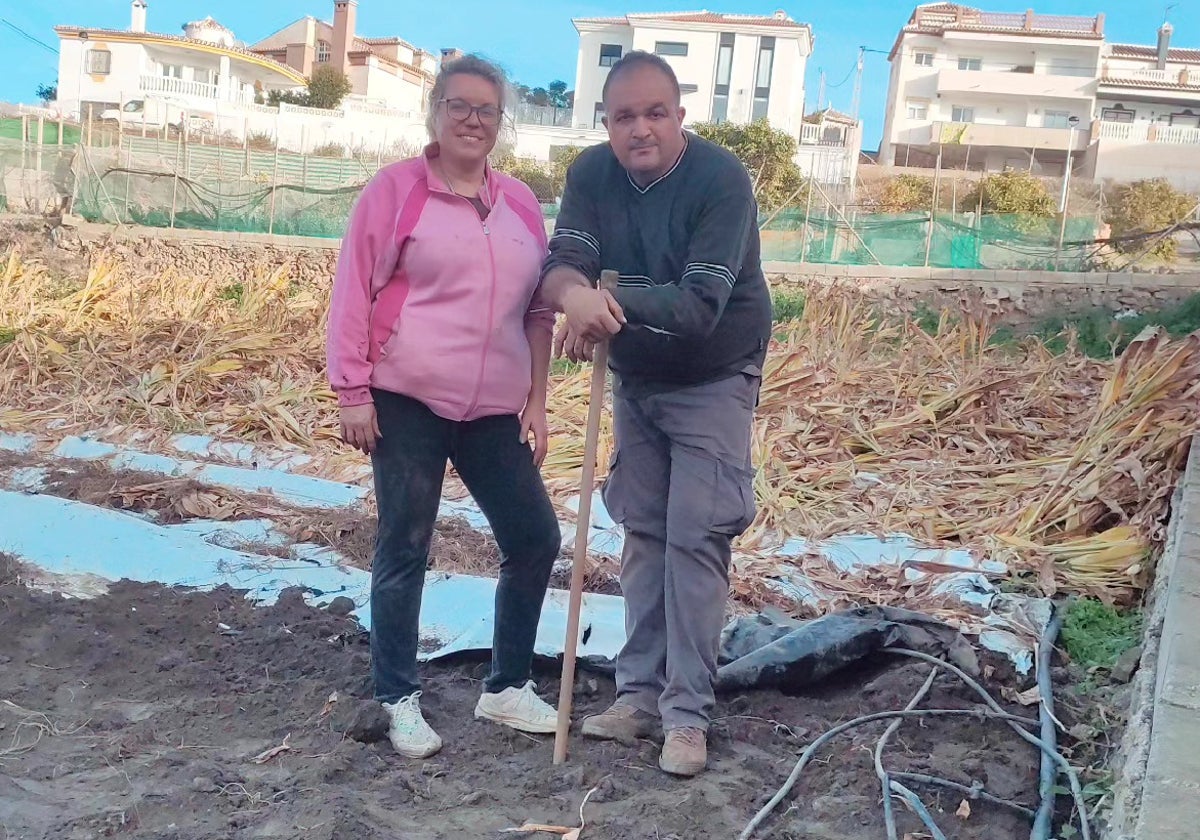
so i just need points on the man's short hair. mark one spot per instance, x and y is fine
(641, 58)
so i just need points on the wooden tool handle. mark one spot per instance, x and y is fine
(608, 282)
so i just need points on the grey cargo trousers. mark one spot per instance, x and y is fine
(681, 485)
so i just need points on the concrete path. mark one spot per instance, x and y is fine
(1170, 805)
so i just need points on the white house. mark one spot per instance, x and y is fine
(991, 90)
(730, 67)
(384, 71)
(100, 69)
(1147, 117)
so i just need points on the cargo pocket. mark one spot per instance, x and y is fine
(612, 492)
(733, 499)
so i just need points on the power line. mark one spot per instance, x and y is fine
(28, 37)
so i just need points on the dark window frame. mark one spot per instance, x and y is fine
(675, 49)
(608, 59)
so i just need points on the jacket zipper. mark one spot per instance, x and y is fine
(487, 341)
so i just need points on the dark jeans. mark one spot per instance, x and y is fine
(497, 467)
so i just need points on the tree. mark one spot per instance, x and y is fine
(769, 156)
(1147, 207)
(327, 87)
(557, 91)
(47, 93)
(539, 96)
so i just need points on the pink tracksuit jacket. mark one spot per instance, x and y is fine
(431, 302)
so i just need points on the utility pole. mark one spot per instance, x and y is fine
(821, 93)
(858, 76)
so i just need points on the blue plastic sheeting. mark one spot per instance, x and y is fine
(67, 538)
(297, 489)
(17, 443)
(246, 454)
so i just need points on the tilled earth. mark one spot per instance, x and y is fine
(150, 713)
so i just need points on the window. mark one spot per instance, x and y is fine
(918, 109)
(598, 116)
(762, 77)
(99, 62)
(670, 48)
(923, 59)
(172, 71)
(1117, 113)
(1063, 67)
(684, 89)
(724, 73)
(962, 114)
(202, 75)
(610, 54)
(970, 64)
(1186, 117)
(1056, 119)
(323, 52)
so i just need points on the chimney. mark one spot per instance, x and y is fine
(345, 16)
(137, 17)
(450, 54)
(1164, 44)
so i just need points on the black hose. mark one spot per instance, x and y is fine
(1042, 821)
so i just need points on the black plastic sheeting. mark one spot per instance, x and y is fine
(773, 651)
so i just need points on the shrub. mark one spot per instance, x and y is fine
(769, 156)
(906, 193)
(560, 163)
(329, 150)
(1013, 192)
(1144, 207)
(535, 176)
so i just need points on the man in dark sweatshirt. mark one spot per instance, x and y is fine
(689, 324)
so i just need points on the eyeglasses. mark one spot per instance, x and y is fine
(461, 110)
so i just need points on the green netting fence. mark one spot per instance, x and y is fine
(169, 183)
(951, 241)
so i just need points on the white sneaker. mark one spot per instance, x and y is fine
(519, 708)
(411, 736)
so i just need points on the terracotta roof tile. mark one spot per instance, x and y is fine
(702, 16)
(1187, 56)
(246, 51)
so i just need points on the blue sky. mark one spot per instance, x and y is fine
(535, 41)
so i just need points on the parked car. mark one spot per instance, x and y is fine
(151, 113)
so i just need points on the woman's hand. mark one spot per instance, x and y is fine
(360, 427)
(533, 422)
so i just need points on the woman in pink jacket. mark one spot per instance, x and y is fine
(438, 350)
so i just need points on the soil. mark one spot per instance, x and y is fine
(141, 713)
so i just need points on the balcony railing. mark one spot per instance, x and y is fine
(170, 86)
(1150, 77)
(830, 134)
(1144, 132)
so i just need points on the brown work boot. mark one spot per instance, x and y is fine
(685, 753)
(620, 722)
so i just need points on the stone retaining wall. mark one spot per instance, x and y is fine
(1018, 298)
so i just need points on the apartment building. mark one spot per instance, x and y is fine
(988, 90)
(730, 67)
(100, 69)
(1147, 117)
(991, 91)
(385, 71)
